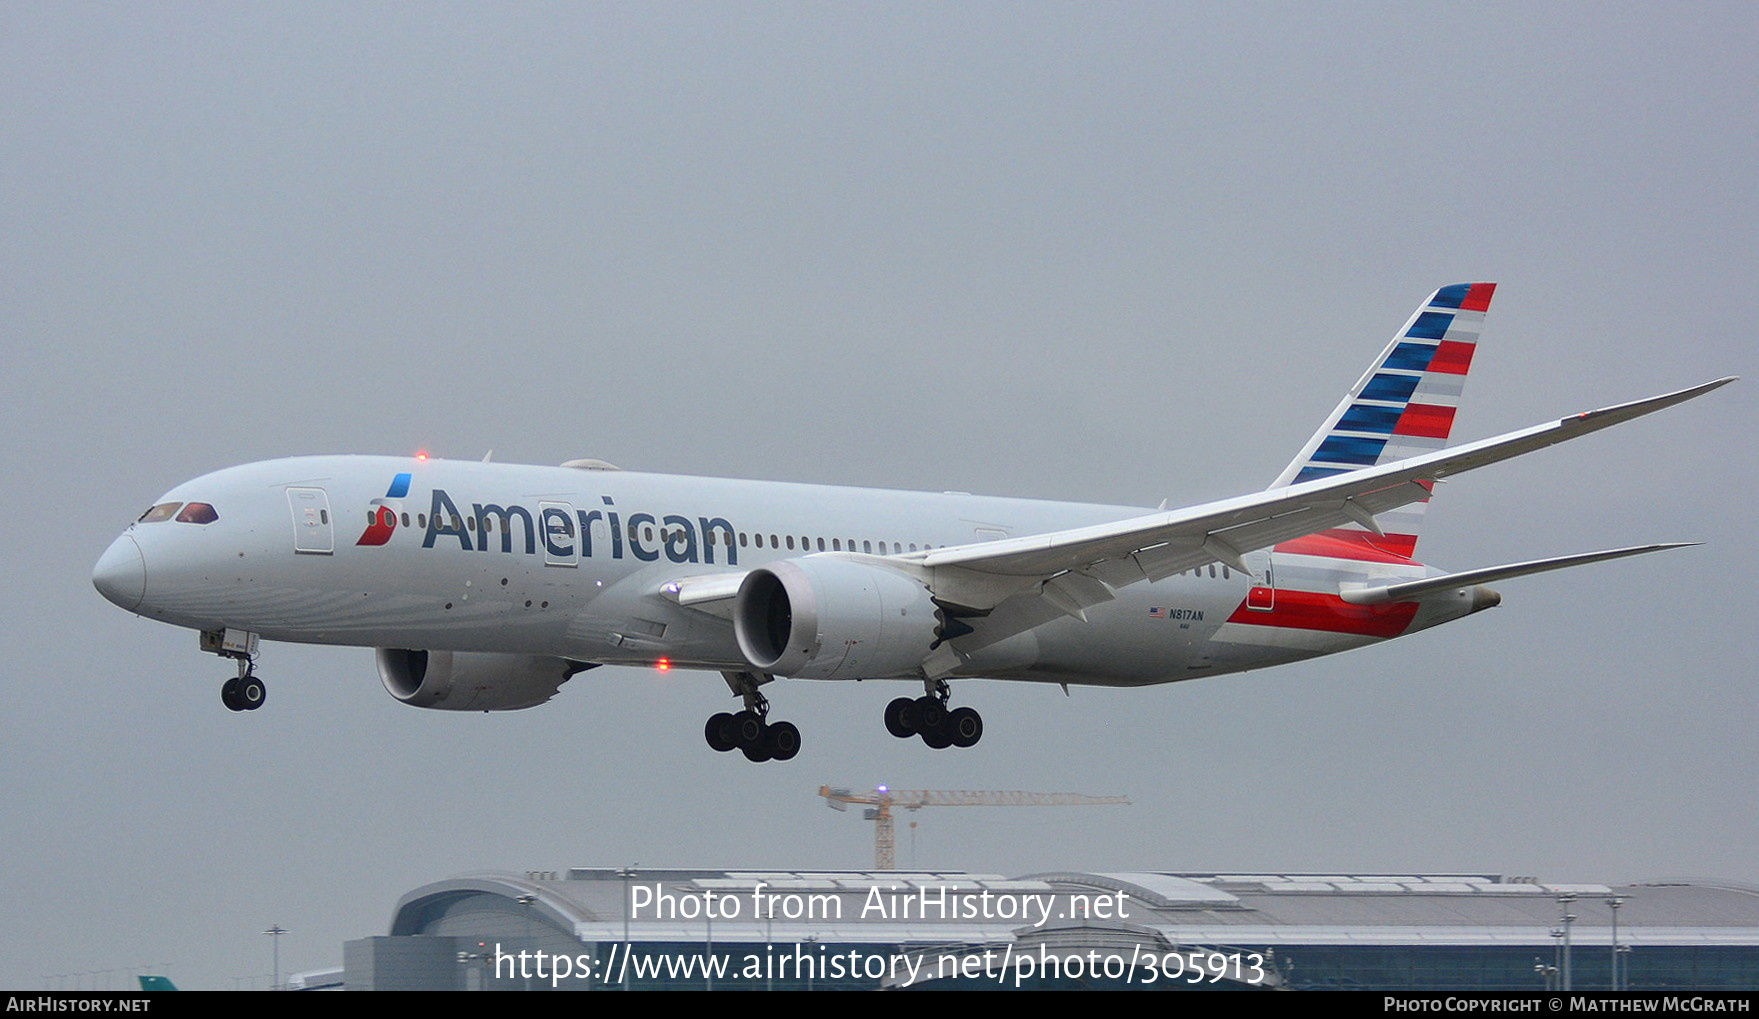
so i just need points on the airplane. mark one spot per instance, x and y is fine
(487, 586)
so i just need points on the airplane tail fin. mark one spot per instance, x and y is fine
(153, 983)
(1403, 406)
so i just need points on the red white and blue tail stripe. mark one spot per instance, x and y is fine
(1403, 407)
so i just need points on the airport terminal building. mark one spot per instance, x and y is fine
(642, 929)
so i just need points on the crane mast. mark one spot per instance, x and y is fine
(883, 800)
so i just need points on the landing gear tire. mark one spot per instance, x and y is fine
(901, 717)
(748, 729)
(783, 741)
(721, 732)
(931, 714)
(759, 751)
(252, 694)
(937, 739)
(229, 695)
(965, 727)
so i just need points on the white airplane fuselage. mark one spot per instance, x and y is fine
(573, 564)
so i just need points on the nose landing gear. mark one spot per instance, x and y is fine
(244, 692)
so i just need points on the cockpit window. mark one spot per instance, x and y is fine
(197, 513)
(163, 511)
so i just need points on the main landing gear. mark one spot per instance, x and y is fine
(244, 692)
(750, 731)
(929, 717)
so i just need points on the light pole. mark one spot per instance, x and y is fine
(769, 944)
(626, 873)
(274, 932)
(474, 966)
(1569, 919)
(527, 900)
(1613, 902)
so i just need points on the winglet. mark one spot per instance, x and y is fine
(1638, 408)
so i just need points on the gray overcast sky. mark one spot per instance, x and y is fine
(1112, 252)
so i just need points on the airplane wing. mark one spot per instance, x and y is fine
(1079, 567)
(1161, 544)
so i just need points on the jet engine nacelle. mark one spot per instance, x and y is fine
(824, 618)
(471, 681)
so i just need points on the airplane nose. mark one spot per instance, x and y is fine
(121, 573)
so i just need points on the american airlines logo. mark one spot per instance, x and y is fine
(381, 517)
(557, 530)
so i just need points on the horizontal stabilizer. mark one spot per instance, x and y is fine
(1415, 589)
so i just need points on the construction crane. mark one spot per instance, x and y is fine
(881, 802)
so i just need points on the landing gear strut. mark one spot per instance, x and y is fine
(244, 692)
(750, 731)
(929, 717)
